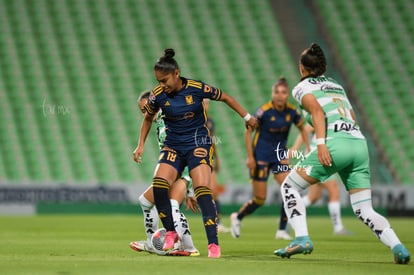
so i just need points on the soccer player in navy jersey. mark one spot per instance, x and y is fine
(214, 181)
(267, 153)
(188, 143)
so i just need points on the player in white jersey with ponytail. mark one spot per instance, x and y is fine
(341, 148)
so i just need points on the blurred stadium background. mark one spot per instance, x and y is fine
(71, 72)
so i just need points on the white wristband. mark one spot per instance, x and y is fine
(320, 141)
(247, 117)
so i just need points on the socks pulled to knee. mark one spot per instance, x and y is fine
(182, 227)
(293, 203)
(335, 213)
(150, 216)
(362, 206)
(205, 200)
(249, 207)
(162, 202)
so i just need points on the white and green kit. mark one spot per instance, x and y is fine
(344, 140)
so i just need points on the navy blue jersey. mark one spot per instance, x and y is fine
(184, 114)
(273, 130)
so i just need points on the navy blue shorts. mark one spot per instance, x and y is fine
(262, 170)
(192, 158)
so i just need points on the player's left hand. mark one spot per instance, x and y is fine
(324, 156)
(191, 203)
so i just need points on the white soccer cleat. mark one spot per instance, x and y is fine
(141, 246)
(222, 229)
(282, 235)
(343, 232)
(235, 225)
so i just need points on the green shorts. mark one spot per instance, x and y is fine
(350, 160)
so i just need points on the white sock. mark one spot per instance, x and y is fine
(150, 216)
(294, 206)
(182, 227)
(335, 213)
(362, 206)
(306, 200)
(389, 238)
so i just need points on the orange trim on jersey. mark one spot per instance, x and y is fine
(300, 123)
(157, 90)
(256, 138)
(205, 119)
(193, 83)
(267, 106)
(149, 110)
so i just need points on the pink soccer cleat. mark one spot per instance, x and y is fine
(171, 237)
(214, 250)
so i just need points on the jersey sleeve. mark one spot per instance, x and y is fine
(211, 92)
(259, 114)
(152, 106)
(299, 92)
(298, 118)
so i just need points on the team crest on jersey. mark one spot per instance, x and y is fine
(189, 99)
(272, 118)
(287, 117)
(167, 103)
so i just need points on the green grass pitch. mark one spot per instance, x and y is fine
(98, 244)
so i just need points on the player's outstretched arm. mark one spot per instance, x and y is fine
(230, 101)
(250, 162)
(145, 128)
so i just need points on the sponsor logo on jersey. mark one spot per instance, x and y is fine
(259, 112)
(167, 103)
(200, 153)
(344, 126)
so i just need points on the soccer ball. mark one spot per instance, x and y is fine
(157, 241)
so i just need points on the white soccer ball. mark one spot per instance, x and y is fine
(157, 241)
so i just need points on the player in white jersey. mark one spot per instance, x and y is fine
(330, 185)
(341, 148)
(178, 192)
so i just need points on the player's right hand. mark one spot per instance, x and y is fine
(251, 163)
(137, 154)
(192, 204)
(252, 122)
(323, 155)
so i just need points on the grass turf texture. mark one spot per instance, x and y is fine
(98, 244)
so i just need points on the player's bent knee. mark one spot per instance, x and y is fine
(295, 181)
